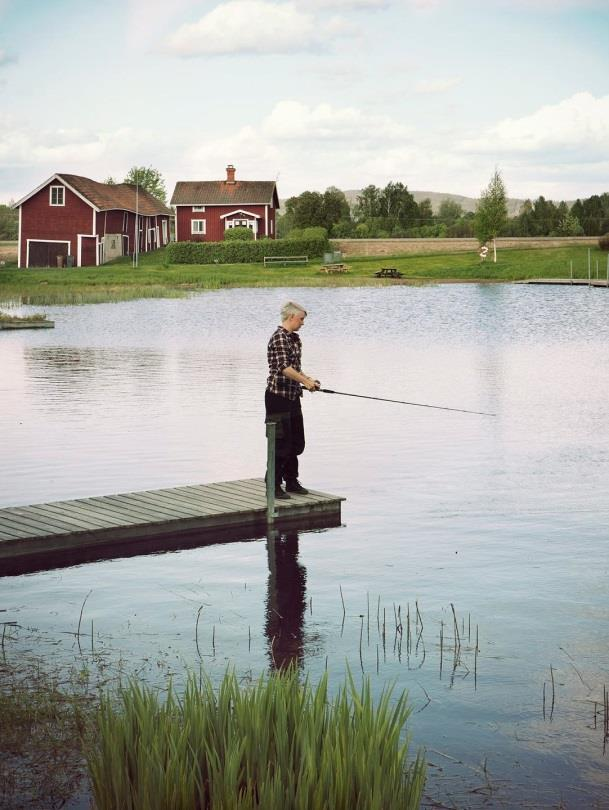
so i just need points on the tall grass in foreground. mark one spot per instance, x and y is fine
(275, 745)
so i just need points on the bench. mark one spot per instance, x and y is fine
(388, 272)
(334, 268)
(283, 260)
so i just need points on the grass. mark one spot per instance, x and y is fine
(155, 277)
(36, 318)
(277, 744)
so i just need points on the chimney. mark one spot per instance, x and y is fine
(230, 173)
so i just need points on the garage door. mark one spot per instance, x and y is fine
(44, 254)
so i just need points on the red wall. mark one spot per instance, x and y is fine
(40, 220)
(215, 225)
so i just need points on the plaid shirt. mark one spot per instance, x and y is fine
(284, 349)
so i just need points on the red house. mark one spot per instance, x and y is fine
(205, 209)
(89, 222)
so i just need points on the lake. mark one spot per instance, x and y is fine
(472, 564)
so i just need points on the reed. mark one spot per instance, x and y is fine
(277, 744)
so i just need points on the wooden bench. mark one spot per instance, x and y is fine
(283, 260)
(334, 268)
(388, 272)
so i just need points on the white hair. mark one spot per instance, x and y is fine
(291, 308)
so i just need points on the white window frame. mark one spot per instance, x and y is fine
(201, 228)
(165, 230)
(63, 196)
(198, 208)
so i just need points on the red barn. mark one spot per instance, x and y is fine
(205, 209)
(90, 222)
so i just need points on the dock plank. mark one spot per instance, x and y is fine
(205, 511)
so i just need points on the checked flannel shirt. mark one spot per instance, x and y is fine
(284, 349)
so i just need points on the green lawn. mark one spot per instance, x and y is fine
(155, 277)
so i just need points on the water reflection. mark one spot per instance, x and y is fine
(286, 601)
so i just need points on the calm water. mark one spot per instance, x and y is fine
(505, 518)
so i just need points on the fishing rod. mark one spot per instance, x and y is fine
(402, 402)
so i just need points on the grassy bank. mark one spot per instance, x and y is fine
(273, 744)
(156, 278)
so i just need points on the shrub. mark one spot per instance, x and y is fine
(238, 252)
(603, 241)
(274, 745)
(240, 233)
(315, 232)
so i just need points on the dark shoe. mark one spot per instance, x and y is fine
(296, 486)
(280, 495)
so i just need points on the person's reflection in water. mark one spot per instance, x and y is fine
(286, 601)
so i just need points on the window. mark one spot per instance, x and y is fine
(197, 226)
(57, 195)
(198, 208)
(271, 224)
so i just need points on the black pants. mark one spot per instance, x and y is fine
(287, 414)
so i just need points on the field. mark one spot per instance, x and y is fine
(156, 278)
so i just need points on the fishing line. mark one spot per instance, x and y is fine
(403, 402)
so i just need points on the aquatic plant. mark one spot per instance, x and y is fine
(274, 744)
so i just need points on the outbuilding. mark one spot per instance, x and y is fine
(206, 209)
(72, 220)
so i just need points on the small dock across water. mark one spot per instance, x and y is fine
(569, 282)
(206, 512)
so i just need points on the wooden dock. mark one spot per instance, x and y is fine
(202, 513)
(574, 282)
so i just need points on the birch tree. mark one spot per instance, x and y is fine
(491, 214)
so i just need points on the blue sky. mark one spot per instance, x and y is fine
(433, 93)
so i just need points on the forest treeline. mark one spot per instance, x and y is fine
(392, 212)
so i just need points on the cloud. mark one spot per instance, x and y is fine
(6, 58)
(576, 128)
(350, 5)
(292, 120)
(436, 85)
(249, 26)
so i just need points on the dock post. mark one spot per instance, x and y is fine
(271, 429)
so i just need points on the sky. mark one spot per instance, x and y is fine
(435, 94)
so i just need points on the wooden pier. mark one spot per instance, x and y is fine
(575, 282)
(195, 515)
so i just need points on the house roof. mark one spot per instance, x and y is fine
(107, 197)
(219, 192)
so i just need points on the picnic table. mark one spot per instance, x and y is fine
(334, 268)
(388, 272)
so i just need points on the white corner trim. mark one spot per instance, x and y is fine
(19, 240)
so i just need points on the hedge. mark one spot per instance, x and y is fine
(242, 252)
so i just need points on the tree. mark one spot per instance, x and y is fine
(570, 226)
(335, 207)
(425, 212)
(110, 181)
(9, 223)
(368, 204)
(491, 214)
(149, 179)
(449, 212)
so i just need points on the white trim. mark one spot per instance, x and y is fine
(199, 209)
(60, 179)
(125, 236)
(240, 211)
(94, 226)
(165, 230)
(194, 232)
(19, 240)
(59, 241)
(266, 220)
(53, 188)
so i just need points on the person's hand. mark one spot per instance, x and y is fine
(312, 385)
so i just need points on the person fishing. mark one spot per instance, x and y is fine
(282, 398)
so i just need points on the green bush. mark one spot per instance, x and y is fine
(240, 233)
(603, 242)
(238, 252)
(278, 744)
(315, 232)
